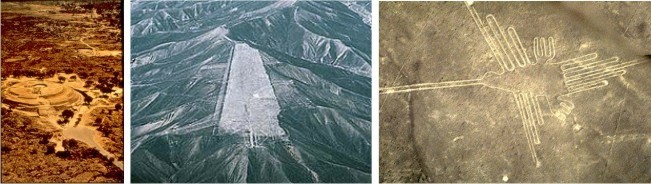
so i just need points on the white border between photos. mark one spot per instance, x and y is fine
(375, 98)
(127, 89)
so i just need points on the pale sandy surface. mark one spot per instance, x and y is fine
(475, 133)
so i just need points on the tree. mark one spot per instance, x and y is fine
(5, 149)
(106, 130)
(73, 78)
(83, 75)
(67, 114)
(70, 144)
(114, 173)
(98, 122)
(50, 73)
(90, 153)
(62, 79)
(45, 138)
(116, 75)
(105, 88)
(121, 84)
(114, 81)
(63, 154)
(88, 99)
(50, 148)
(89, 83)
(118, 107)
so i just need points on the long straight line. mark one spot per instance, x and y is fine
(527, 133)
(430, 86)
(530, 117)
(589, 66)
(493, 47)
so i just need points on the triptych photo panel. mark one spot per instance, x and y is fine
(326, 91)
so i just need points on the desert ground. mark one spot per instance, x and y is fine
(62, 116)
(515, 92)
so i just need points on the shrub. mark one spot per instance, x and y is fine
(50, 148)
(63, 154)
(67, 114)
(88, 100)
(98, 122)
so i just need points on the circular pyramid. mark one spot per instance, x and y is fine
(42, 97)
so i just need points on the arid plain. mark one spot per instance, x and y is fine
(515, 92)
